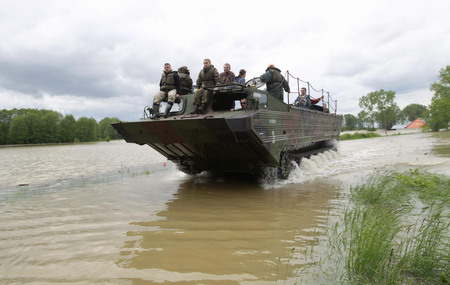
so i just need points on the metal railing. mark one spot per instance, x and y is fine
(327, 101)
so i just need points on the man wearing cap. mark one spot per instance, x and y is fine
(275, 82)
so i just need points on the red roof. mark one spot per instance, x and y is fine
(417, 123)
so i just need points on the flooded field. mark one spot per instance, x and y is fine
(117, 213)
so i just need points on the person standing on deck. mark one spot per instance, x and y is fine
(275, 82)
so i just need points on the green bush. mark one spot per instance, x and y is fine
(356, 136)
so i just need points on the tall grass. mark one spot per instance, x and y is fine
(384, 239)
(427, 250)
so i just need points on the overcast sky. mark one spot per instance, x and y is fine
(105, 58)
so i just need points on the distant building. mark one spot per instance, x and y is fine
(416, 124)
(399, 127)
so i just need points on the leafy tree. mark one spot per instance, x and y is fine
(440, 103)
(86, 129)
(5, 121)
(67, 129)
(23, 126)
(362, 120)
(380, 107)
(350, 122)
(413, 111)
(6, 116)
(106, 131)
(18, 130)
(50, 121)
(388, 117)
(34, 126)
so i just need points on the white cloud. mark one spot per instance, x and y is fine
(104, 58)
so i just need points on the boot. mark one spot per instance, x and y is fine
(195, 110)
(150, 112)
(168, 108)
(155, 111)
(202, 109)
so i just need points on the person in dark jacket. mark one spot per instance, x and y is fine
(207, 78)
(275, 82)
(227, 76)
(170, 87)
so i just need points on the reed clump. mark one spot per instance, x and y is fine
(395, 231)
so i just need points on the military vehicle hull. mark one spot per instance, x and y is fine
(268, 134)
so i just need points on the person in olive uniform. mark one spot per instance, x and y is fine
(275, 82)
(207, 78)
(185, 80)
(170, 87)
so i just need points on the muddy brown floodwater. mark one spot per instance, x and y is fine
(117, 213)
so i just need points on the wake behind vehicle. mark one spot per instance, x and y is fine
(267, 134)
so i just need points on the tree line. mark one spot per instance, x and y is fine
(36, 126)
(379, 108)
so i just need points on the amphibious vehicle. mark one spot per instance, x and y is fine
(266, 134)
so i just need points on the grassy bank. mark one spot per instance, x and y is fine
(442, 135)
(394, 231)
(356, 136)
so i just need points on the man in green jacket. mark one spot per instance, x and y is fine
(169, 88)
(207, 78)
(275, 82)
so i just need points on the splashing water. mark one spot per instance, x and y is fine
(362, 157)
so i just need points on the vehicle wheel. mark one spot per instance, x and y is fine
(286, 166)
(188, 169)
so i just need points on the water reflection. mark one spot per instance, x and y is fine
(234, 230)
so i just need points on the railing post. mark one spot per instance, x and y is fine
(322, 99)
(287, 73)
